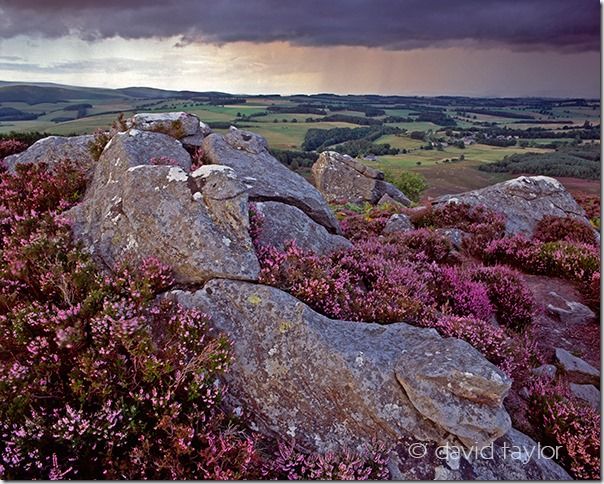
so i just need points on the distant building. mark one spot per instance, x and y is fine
(370, 157)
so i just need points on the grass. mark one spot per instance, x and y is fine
(476, 152)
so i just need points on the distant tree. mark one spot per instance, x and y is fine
(462, 157)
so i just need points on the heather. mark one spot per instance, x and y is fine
(101, 379)
(569, 423)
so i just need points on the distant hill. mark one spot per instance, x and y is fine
(36, 93)
(50, 94)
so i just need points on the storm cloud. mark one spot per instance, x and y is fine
(520, 25)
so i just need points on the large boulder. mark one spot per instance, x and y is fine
(195, 222)
(336, 384)
(524, 201)
(282, 223)
(185, 127)
(340, 177)
(267, 178)
(54, 149)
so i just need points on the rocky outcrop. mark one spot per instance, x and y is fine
(340, 177)
(336, 383)
(524, 201)
(56, 148)
(195, 222)
(577, 369)
(265, 177)
(182, 126)
(282, 223)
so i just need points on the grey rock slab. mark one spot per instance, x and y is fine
(333, 384)
(283, 223)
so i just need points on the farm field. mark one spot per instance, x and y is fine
(392, 138)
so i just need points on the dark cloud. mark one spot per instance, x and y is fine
(572, 25)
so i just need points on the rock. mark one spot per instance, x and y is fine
(524, 201)
(196, 223)
(587, 393)
(398, 222)
(266, 178)
(524, 393)
(517, 457)
(56, 148)
(134, 147)
(572, 313)
(455, 236)
(389, 201)
(177, 125)
(545, 371)
(577, 369)
(513, 457)
(334, 384)
(341, 177)
(283, 223)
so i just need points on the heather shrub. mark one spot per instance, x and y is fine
(483, 225)
(362, 223)
(513, 302)
(11, 147)
(486, 337)
(357, 284)
(555, 229)
(573, 261)
(564, 421)
(424, 243)
(455, 292)
(290, 464)
(101, 381)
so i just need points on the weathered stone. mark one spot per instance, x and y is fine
(134, 147)
(283, 223)
(447, 384)
(398, 222)
(339, 176)
(196, 223)
(388, 200)
(587, 393)
(513, 457)
(577, 369)
(54, 149)
(266, 178)
(337, 383)
(545, 371)
(524, 201)
(455, 236)
(178, 124)
(572, 313)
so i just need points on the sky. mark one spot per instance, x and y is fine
(407, 47)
